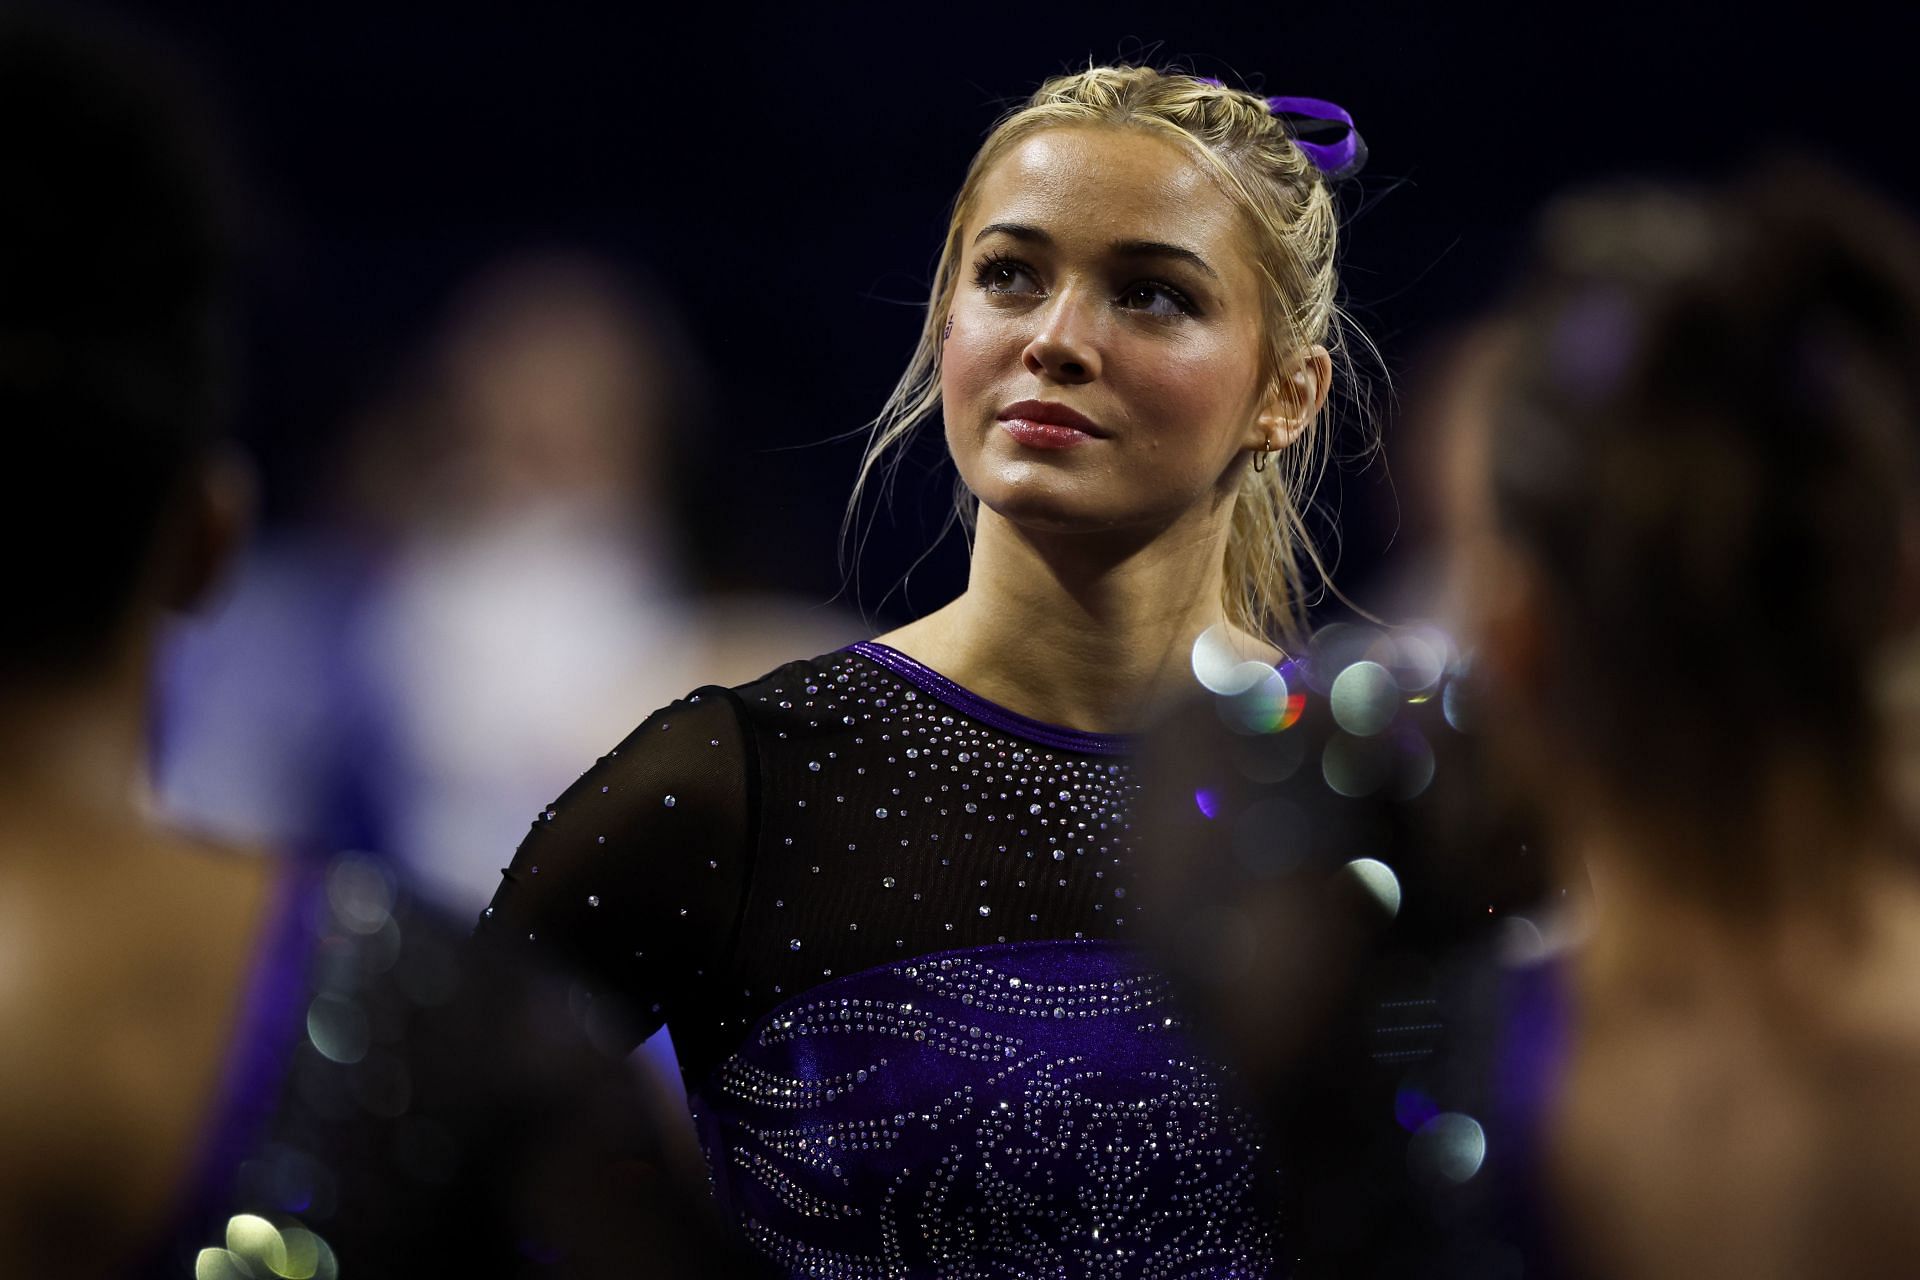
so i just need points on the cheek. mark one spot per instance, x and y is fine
(976, 355)
(1197, 396)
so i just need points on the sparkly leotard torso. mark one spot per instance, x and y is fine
(886, 923)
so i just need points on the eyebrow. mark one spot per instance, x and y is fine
(1124, 248)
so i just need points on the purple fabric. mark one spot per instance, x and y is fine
(1533, 1044)
(1027, 1109)
(992, 713)
(1336, 159)
(265, 1035)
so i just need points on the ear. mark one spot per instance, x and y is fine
(217, 507)
(1295, 398)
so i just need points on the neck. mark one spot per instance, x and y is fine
(1086, 631)
(73, 751)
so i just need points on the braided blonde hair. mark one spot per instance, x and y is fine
(1294, 222)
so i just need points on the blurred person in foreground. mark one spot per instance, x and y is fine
(215, 1063)
(1685, 515)
(1357, 925)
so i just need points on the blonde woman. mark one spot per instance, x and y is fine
(880, 896)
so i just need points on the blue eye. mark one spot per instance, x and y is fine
(1151, 298)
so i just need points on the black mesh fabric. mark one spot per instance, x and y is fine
(743, 845)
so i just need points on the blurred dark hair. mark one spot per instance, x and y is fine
(1703, 434)
(113, 280)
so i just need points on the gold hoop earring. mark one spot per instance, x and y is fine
(1260, 458)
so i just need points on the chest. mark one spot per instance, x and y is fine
(914, 830)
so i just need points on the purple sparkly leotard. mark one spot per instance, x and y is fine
(886, 921)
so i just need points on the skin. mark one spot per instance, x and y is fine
(1736, 1097)
(1094, 568)
(123, 945)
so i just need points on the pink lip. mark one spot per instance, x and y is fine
(1040, 425)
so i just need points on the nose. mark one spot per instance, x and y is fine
(1063, 349)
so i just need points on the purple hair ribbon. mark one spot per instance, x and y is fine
(1323, 130)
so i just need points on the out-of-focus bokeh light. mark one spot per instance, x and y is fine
(1421, 658)
(257, 1243)
(1448, 1149)
(361, 892)
(338, 1028)
(220, 1264)
(258, 1250)
(1413, 1107)
(1378, 879)
(1521, 941)
(1266, 706)
(1207, 802)
(1219, 669)
(1455, 705)
(1364, 699)
(304, 1253)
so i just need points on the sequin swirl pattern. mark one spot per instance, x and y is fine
(1030, 1109)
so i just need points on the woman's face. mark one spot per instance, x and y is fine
(1102, 368)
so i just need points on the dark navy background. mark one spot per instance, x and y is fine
(782, 173)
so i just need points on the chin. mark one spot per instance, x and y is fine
(1040, 498)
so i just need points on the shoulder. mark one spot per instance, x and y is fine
(861, 685)
(789, 681)
(784, 680)
(715, 724)
(798, 694)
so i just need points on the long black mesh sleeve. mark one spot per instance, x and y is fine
(633, 878)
